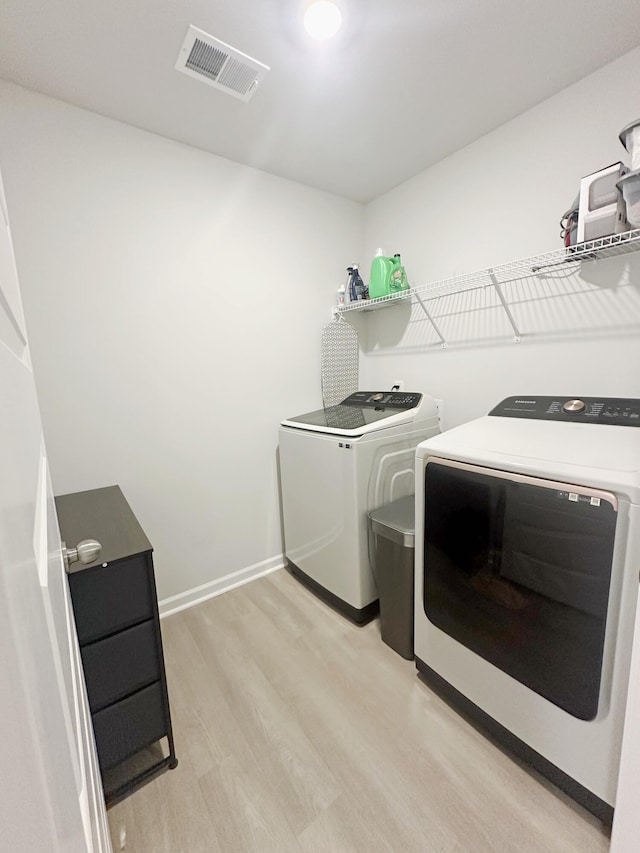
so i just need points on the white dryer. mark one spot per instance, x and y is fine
(336, 464)
(527, 558)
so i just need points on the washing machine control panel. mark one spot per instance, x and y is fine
(613, 411)
(383, 400)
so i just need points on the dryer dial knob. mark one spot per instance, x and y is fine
(573, 407)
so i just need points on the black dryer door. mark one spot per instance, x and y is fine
(518, 570)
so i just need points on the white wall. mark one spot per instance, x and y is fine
(175, 302)
(494, 201)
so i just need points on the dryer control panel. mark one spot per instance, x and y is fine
(383, 400)
(612, 411)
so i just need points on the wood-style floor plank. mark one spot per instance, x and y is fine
(297, 731)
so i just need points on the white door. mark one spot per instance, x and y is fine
(51, 796)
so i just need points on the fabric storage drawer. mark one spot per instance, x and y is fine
(117, 622)
(121, 664)
(108, 599)
(130, 725)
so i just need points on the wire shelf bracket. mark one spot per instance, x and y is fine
(443, 343)
(507, 310)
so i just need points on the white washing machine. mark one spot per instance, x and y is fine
(336, 464)
(527, 559)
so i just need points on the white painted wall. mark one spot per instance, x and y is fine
(494, 201)
(175, 302)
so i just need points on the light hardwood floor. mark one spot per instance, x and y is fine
(297, 731)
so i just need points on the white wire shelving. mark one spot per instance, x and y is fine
(538, 265)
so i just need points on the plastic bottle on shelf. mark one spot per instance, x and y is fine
(350, 289)
(359, 286)
(341, 296)
(355, 285)
(398, 279)
(379, 282)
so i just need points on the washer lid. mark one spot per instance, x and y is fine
(361, 413)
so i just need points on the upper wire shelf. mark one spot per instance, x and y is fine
(591, 250)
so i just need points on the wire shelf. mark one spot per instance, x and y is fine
(538, 265)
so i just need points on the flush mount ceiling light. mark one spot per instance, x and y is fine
(322, 20)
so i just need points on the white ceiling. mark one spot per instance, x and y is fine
(405, 83)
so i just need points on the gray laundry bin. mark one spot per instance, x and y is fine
(391, 529)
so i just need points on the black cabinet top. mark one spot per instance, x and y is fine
(105, 515)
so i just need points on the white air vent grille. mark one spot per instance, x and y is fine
(206, 59)
(216, 63)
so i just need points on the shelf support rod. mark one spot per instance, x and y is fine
(507, 310)
(443, 343)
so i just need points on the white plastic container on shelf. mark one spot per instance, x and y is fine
(601, 210)
(630, 188)
(630, 138)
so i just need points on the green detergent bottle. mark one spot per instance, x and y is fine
(380, 283)
(398, 277)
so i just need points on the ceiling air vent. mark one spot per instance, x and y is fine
(212, 61)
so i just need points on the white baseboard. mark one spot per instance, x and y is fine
(194, 596)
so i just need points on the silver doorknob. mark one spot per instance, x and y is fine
(86, 552)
